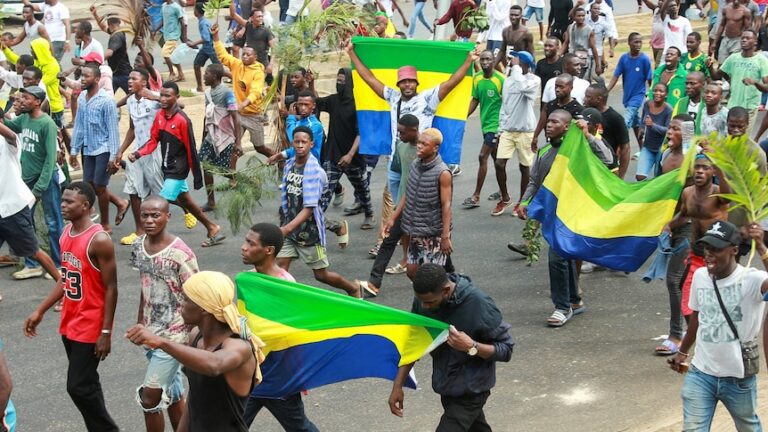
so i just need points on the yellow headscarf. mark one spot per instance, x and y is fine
(214, 293)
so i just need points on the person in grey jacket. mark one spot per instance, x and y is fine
(463, 368)
(426, 205)
(563, 278)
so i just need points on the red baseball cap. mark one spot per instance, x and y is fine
(407, 72)
(93, 57)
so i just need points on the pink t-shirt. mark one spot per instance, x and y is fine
(283, 275)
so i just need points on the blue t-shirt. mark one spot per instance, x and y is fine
(171, 26)
(204, 26)
(635, 72)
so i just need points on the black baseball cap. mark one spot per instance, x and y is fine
(592, 116)
(35, 91)
(721, 234)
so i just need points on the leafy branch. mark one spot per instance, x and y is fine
(212, 8)
(474, 18)
(532, 238)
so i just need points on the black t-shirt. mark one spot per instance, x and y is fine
(573, 107)
(342, 128)
(258, 38)
(547, 71)
(615, 131)
(118, 61)
(558, 14)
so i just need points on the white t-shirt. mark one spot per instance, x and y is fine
(718, 352)
(498, 18)
(14, 194)
(423, 106)
(536, 3)
(53, 18)
(578, 92)
(94, 46)
(676, 31)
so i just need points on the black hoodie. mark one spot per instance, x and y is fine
(342, 124)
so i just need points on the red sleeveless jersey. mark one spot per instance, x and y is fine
(83, 312)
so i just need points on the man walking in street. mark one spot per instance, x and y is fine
(463, 368)
(89, 286)
(56, 20)
(38, 155)
(96, 134)
(174, 31)
(165, 262)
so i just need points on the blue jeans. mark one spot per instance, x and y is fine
(289, 412)
(563, 282)
(701, 392)
(632, 116)
(418, 12)
(51, 200)
(646, 163)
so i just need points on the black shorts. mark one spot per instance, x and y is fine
(95, 169)
(489, 139)
(18, 231)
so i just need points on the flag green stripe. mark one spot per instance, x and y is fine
(604, 187)
(310, 310)
(379, 53)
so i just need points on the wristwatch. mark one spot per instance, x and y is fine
(473, 351)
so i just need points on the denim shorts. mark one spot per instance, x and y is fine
(18, 231)
(203, 55)
(647, 161)
(172, 188)
(163, 372)
(529, 11)
(489, 140)
(95, 169)
(632, 116)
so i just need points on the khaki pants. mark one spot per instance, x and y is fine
(387, 208)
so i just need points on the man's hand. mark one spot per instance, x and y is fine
(275, 158)
(103, 346)
(648, 121)
(756, 233)
(514, 61)
(345, 161)
(140, 335)
(73, 161)
(748, 81)
(117, 160)
(268, 69)
(113, 166)
(474, 55)
(215, 32)
(387, 228)
(310, 78)
(93, 10)
(446, 246)
(348, 46)
(598, 68)
(132, 157)
(139, 42)
(30, 324)
(459, 340)
(396, 401)
(522, 212)
(535, 144)
(676, 362)
(237, 149)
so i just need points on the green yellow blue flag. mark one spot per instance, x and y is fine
(316, 337)
(587, 212)
(435, 62)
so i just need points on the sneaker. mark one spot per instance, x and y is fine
(129, 239)
(396, 269)
(455, 170)
(517, 207)
(519, 248)
(190, 221)
(47, 276)
(500, 207)
(494, 196)
(338, 199)
(354, 209)
(28, 273)
(588, 267)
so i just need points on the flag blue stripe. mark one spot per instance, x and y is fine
(312, 365)
(623, 253)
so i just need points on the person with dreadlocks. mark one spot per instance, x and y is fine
(221, 360)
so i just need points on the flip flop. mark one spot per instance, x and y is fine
(666, 348)
(213, 241)
(121, 214)
(206, 208)
(343, 235)
(470, 203)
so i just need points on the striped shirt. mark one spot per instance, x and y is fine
(143, 112)
(312, 186)
(95, 130)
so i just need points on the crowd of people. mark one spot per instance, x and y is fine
(187, 321)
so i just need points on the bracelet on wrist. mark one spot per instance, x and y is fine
(684, 354)
(106, 331)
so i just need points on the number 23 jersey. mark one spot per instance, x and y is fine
(82, 314)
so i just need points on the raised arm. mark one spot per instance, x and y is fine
(455, 79)
(99, 20)
(365, 73)
(236, 16)
(663, 10)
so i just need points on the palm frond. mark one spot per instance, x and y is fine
(737, 159)
(132, 13)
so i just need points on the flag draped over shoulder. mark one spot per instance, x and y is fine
(435, 62)
(315, 337)
(587, 212)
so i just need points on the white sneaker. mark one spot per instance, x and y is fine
(28, 273)
(587, 267)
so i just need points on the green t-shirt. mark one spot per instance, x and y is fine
(738, 68)
(404, 157)
(487, 91)
(37, 141)
(698, 63)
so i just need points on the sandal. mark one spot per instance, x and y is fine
(343, 235)
(368, 223)
(374, 251)
(578, 308)
(121, 214)
(471, 202)
(365, 290)
(559, 318)
(396, 269)
(496, 196)
(213, 241)
(666, 348)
